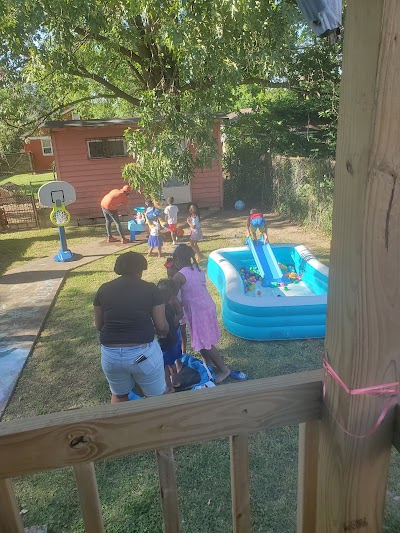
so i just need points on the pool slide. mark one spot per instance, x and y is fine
(265, 260)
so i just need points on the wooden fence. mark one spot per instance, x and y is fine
(16, 163)
(79, 438)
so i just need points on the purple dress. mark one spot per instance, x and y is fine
(199, 309)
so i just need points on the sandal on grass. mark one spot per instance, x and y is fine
(238, 375)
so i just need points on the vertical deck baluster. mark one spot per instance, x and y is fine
(168, 490)
(240, 483)
(85, 476)
(307, 476)
(10, 519)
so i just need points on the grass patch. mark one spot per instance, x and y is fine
(24, 180)
(20, 247)
(64, 373)
(29, 182)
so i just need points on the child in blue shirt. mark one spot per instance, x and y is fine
(171, 344)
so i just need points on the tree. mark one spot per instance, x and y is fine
(173, 62)
(284, 122)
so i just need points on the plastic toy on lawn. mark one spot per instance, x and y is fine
(58, 194)
(138, 224)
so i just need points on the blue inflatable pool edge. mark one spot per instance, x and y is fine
(262, 319)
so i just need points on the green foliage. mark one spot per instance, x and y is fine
(303, 190)
(171, 146)
(169, 60)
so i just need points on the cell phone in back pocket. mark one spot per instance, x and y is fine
(140, 359)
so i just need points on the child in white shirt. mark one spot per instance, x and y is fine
(171, 217)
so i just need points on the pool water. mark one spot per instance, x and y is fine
(309, 282)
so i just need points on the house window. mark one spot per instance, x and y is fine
(47, 147)
(106, 147)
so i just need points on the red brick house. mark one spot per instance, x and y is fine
(41, 150)
(41, 147)
(90, 154)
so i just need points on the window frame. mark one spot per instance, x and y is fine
(47, 139)
(101, 140)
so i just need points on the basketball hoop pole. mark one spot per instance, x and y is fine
(64, 254)
(58, 194)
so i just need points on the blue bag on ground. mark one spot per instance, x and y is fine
(206, 375)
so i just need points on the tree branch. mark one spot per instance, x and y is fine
(247, 81)
(39, 120)
(126, 52)
(82, 72)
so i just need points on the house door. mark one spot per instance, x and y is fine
(180, 191)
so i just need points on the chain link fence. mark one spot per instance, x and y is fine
(303, 190)
(17, 209)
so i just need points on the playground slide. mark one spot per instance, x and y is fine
(265, 260)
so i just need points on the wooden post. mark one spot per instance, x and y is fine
(240, 483)
(307, 477)
(363, 330)
(168, 490)
(85, 476)
(10, 519)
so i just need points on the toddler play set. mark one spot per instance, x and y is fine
(276, 292)
(58, 194)
(138, 223)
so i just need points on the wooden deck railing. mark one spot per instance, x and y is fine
(78, 438)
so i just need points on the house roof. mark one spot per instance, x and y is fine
(96, 123)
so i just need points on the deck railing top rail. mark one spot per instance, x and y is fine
(86, 435)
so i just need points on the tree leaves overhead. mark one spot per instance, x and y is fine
(173, 62)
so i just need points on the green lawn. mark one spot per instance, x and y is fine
(20, 247)
(64, 373)
(29, 182)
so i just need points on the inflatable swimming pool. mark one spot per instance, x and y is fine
(293, 309)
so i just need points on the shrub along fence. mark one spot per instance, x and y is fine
(303, 190)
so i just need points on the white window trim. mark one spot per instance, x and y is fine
(51, 153)
(101, 139)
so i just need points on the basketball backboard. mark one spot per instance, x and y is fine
(49, 193)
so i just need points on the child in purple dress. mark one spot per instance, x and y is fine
(200, 311)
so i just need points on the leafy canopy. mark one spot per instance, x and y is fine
(176, 63)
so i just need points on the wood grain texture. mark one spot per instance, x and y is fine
(240, 483)
(363, 333)
(10, 519)
(168, 490)
(85, 476)
(307, 477)
(85, 435)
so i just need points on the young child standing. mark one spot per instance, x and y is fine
(171, 344)
(196, 233)
(155, 239)
(256, 221)
(171, 218)
(171, 271)
(200, 312)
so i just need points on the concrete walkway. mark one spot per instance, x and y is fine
(26, 297)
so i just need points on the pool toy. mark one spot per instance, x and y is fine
(58, 194)
(293, 308)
